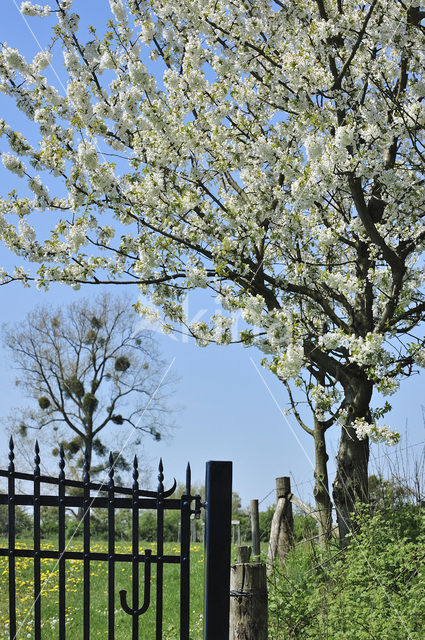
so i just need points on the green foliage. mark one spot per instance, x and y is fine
(236, 504)
(171, 526)
(147, 526)
(71, 447)
(91, 336)
(23, 521)
(123, 525)
(49, 522)
(122, 363)
(266, 518)
(23, 430)
(96, 322)
(90, 403)
(387, 493)
(305, 527)
(99, 447)
(374, 589)
(73, 387)
(44, 402)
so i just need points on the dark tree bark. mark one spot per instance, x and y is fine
(321, 489)
(351, 482)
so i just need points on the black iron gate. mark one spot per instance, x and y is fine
(109, 497)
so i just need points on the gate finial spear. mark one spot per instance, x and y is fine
(61, 462)
(160, 477)
(36, 458)
(11, 455)
(111, 469)
(135, 473)
(188, 479)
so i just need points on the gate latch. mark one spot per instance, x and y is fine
(198, 506)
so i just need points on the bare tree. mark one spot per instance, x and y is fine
(90, 375)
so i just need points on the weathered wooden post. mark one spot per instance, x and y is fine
(248, 598)
(282, 530)
(236, 526)
(286, 532)
(255, 528)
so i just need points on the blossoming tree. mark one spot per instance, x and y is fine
(270, 151)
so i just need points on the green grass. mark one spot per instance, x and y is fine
(99, 595)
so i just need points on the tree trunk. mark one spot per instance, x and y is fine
(351, 481)
(321, 488)
(88, 452)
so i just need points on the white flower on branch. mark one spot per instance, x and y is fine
(30, 9)
(12, 163)
(375, 433)
(41, 60)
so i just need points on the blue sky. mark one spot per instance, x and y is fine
(229, 411)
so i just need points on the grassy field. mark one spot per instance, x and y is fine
(99, 595)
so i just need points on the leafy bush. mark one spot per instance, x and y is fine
(374, 589)
(23, 521)
(305, 527)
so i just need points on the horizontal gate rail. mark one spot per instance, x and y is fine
(92, 555)
(94, 486)
(76, 501)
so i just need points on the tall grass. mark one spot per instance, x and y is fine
(373, 590)
(98, 595)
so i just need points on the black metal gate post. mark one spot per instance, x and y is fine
(218, 498)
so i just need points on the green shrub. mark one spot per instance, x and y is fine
(23, 521)
(374, 589)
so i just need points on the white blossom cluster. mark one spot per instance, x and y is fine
(31, 9)
(13, 163)
(376, 433)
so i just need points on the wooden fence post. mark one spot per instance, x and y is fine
(248, 598)
(236, 532)
(255, 528)
(282, 529)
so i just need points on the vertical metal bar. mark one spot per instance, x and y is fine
(185, 512)
(61, 544)
(11, 542)
(218, 487)
(86, 549)
(111, 550)
(160, 551)
(135, 550)
(37, 566)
